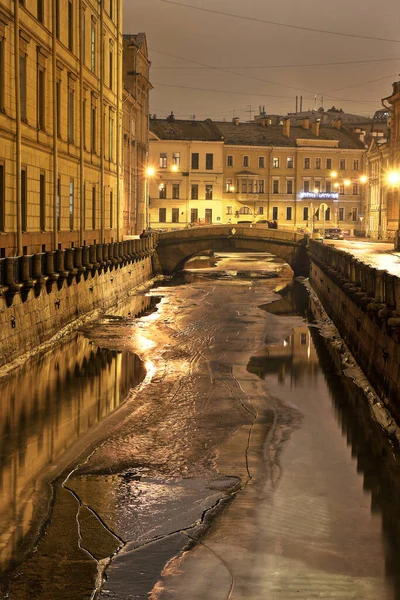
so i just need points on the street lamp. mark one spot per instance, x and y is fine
(393, 179)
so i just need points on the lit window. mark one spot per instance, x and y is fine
(275, 162)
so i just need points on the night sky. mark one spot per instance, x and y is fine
(232, 43)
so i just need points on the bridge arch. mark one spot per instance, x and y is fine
(176, 247)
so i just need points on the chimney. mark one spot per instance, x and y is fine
(236, 121)
(337, 123)
(286, 127)
(305, 123)
(301, 103)
(315, 128)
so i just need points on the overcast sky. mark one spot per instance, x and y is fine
(233, 44)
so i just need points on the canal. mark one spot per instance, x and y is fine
(198, 441)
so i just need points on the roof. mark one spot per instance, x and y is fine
(174, 129)
(254, 134)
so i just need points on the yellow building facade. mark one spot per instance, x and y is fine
(137, 86)
(60, 124)
(186, 181)
(302, 177)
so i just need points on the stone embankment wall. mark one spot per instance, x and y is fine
(42, 293)
(364, 304)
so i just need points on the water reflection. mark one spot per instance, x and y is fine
(46, 406)
(307, 362)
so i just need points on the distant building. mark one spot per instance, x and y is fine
(383, 158)
(188, 160)
(260, 171)
(136, 90)
(60, 134)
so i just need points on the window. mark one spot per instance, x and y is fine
(111, 138)
(305, 213)
(289, 162)
(229, 186)
(83, 33)
(93, 131)
(341, 214)
(94, 207)
(194, 215)
(58, 204)
(194, 192)
(111, 210)
(328, 163)
(162, 191)
(275, 186)
(318, 163)
(209, 191)
(274, 213)
(275, 162)
(93, 48)
(307, 162)
(22, 82)
(341, 190)
(40, 11)
(163, 160)
(317, 185)
(289, 186)
(195, 160)
(175, 191)
(58, 107)
(342, 164)
(261, 162)
(246, 161)
(209, 162)
(208, 215)
(41, 97)
(70, 26)
(261, 186)
(2, 197)
(110, 69)
(24, 201)
(288, 213)
(355, 189)
(354, 214)
(328, 186)
(58, 19)
(244, 186)
(71, 204)
(175, 215)
(356, 164)
(229, 160)
(111, 9)
(83, 132)
(42, 199)
(176, 158)
(306, 186)
(260, 210)
(71, 98)
(162, 215)
(1, 75)
(229, 210)
(328, 214)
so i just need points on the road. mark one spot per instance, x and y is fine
(377, 254)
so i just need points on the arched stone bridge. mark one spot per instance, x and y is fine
(176, 247)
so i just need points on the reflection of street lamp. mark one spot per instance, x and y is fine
(393, 179)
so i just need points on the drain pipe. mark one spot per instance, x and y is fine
(17, 128)
(55, 131)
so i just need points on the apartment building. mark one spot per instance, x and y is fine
(285, 173)
(60, 124)
(136, 91)
(185, 185)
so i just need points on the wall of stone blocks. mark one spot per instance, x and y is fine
(26, 324)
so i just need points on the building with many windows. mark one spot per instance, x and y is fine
(187, 158)
(279, 173)
(60, 124)
(135, 131)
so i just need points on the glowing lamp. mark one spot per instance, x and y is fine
(334, 174)
(363, 179)
(346, 182)
(393, 178)
(174, 168)
(150, 171)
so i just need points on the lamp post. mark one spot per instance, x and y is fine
(393, 179)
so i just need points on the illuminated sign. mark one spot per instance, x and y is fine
(319, 195)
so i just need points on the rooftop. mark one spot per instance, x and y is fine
(173, 129)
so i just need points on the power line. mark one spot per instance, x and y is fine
(199, 89)
(328, 64)
(278, 24)
(258, 79)
(364, 83)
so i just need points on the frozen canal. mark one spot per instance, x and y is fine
(210, 449)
